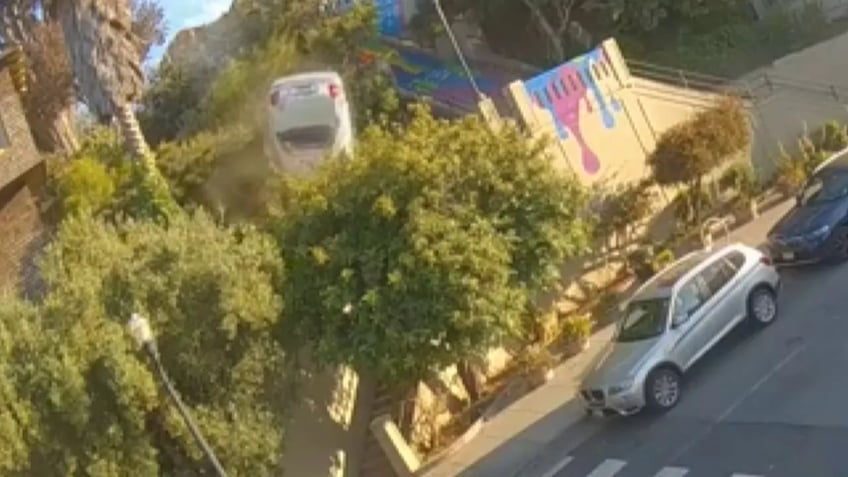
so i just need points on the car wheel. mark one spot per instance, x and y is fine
(840, 244)
(762, 306)
(663, 389)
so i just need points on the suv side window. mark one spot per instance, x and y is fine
(690, 297)
(717, 275)
(736, 259)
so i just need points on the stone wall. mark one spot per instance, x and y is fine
(17, 150)
(23, 235)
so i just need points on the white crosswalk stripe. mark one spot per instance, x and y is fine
(558, 467)
(611, 468)
(672, 472)
(608, 468)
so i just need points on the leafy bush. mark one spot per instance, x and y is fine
(576, 328)
(832, 137)
(690, 204)
(421, 253)
(101, 179)
(791, 176)
(625, 208)
(690, 150)
(742, 179)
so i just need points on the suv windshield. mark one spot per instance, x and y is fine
(825, 188)
(644, 319)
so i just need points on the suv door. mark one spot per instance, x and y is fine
(722, 308)
(687, 321)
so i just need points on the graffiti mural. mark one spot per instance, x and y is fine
(562, 90)
(422, 74)
(390, 17)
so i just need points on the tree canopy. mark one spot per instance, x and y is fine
(79, 400)
(423, 251)
(688, 151)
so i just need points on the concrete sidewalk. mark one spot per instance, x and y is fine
(516, 435)
(513, 442)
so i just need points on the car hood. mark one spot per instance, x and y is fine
(619, 361)
(805, 219)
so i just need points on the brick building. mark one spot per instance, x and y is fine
(22, 177)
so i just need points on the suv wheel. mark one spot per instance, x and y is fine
(762, 306)
(663, 389)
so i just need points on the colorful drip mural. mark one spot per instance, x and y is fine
(562, 90)
(422, 74)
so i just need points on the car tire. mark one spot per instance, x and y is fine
(840, 244)
(762, 306)
(663, 389)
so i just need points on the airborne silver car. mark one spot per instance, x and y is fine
(673, 320)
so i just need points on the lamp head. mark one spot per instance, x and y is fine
(139, 329)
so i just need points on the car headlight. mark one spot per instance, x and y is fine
(621, 387)
(820, 233)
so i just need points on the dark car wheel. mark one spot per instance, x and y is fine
(839, 244)
(762, 306)
(663, 389)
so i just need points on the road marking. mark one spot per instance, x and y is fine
(745, 475)
(672, 472)
(735, 404)
(608, 468)
(558, 467)
(774, 370)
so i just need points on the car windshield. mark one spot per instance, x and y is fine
(825, 188)
(644, 319)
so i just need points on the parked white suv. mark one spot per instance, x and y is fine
(308, 119)
(673, 320)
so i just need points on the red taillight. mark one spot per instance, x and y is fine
(766, 260)
(333, 90)
(275, 97)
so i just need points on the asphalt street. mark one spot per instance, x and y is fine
(771, 403)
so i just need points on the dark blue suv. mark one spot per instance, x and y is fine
(816, 229)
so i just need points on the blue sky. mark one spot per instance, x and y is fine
(181, 14)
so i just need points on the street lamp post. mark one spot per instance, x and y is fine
(139, 329)
(458, 50)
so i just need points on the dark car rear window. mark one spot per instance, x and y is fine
(310, 136)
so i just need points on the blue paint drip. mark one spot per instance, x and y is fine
(539, 84)
(607, 117)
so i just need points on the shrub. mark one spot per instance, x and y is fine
(625, 208)
(84, 185)
(791, 176)
(742, 179)
(832, 137)
(576, 328)
(690, 150)
(690, 204)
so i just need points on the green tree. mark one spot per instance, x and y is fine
(646, 15)
(689, 151)
(423, 251)
(99, 179)
(80, 400)
(169, 103)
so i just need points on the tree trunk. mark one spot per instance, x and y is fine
(548, 30)
(54, 135)
(471, 379)
(133, 138)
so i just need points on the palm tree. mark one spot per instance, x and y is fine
(104, 52)
(106, 62)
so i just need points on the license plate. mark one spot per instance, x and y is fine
(788, 256)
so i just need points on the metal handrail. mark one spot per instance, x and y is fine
(707, 231)
(745, 87)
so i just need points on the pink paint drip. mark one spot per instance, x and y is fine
(566, 108)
